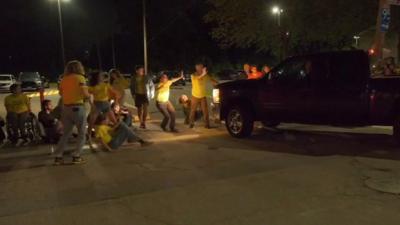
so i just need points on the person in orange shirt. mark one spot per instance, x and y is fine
(246, 69)
(254, 73)
(74, 91)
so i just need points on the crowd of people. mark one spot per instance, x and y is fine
(94, 111)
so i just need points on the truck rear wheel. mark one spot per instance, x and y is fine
(239, 122)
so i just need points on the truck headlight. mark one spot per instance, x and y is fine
(216, 98)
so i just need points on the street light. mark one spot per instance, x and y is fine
(276, 10)
(356, 38)
(61, 27)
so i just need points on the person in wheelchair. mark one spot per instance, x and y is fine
(18, 110)
(51, 125)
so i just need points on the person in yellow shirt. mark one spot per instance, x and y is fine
(199, 96)
(18, 108)
(102, 94)
(73, 91)
(163, 104)
(111, 138)
(120, 84)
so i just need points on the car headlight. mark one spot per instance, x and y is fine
(216, 97)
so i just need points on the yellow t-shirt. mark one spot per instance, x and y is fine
(120, 84)
(17, 103)
(104, 133)
(163, 91)
(71, 89)
(101, 92)
(199, 86)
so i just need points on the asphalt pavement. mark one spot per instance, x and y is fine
(296, 174)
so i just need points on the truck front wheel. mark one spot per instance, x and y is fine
(239, 122)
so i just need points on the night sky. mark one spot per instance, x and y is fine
(30, 38)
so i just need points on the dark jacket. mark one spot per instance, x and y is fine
(149, 85)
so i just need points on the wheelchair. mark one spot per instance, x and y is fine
(32, 129)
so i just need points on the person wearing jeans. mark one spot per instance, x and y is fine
(114, 137)
(164, 105)
(199, 97)
(74, 91)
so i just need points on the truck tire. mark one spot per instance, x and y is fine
(239, 122)
(396, 129)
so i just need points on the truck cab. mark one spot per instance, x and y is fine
(333, 88)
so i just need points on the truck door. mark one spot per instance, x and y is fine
(345, 96)
(285, 96)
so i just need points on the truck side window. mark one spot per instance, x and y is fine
(295, 72)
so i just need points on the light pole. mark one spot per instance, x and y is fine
(276, 10)
(146, 63)
(61, 28)
(357, 38)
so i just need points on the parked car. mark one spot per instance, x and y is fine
(45, 82)
(6, 80)
(332, 88)
(30, 81)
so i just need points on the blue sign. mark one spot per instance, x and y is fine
(385, 19)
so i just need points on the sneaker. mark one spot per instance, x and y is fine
(78, 160)
(19, 143)
(146, 143)
(58, 161)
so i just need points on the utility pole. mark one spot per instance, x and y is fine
(61, 32)
(146, 64)
(113, 51)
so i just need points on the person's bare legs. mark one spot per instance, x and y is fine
(92, 119)
(144, 114)
(206, 116)
(193, 108)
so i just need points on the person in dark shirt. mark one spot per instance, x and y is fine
(51, 125)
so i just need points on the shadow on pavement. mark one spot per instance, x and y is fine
(312, 143)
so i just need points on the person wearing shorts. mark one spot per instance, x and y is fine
(102, 93)
(142, 90)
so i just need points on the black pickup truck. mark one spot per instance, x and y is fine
(334, 88)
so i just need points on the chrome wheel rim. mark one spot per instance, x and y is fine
(235, 122)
